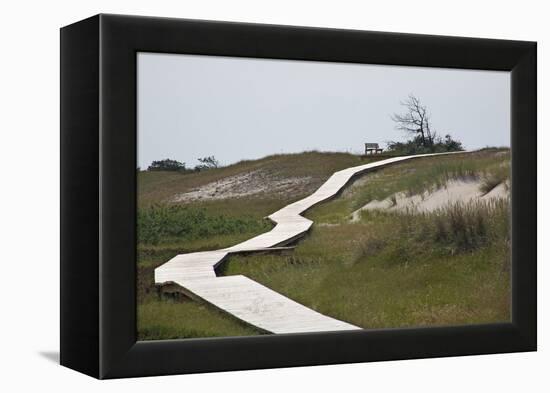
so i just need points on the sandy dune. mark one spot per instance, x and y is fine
(454, 191)
(243, 185)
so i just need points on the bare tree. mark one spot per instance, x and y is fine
(209, 162)
(416, 120)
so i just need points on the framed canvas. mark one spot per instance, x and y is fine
(241, 196)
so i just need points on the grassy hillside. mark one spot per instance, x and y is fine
(155, 187)
(385, 270)
(166, 229)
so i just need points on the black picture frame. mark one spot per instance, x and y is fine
(98, 195)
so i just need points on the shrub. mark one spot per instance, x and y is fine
(166, 165)
(417, 146)
(162, 222)
(206, 163)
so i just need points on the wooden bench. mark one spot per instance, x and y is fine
(373, 148)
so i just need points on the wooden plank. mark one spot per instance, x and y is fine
(260, 306)
(248, 300)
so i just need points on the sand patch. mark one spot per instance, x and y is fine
(454, 191)
(244, 185)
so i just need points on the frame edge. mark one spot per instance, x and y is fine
(79, 147)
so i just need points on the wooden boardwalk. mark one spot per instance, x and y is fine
(248, 300)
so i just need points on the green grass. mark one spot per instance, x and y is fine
(387, 272)
(166, 229)
(167, 319)
(379, 293)
(449, 267)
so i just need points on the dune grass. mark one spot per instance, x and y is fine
(414, 177)
(387, 270)
(155, 187)
(393, 270)
(448, 267)
(497, 174)
(167, 229)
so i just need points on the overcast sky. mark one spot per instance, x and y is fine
(242, 108)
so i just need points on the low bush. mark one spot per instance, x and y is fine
(417, 146)
(167, 165)
(164, 223)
